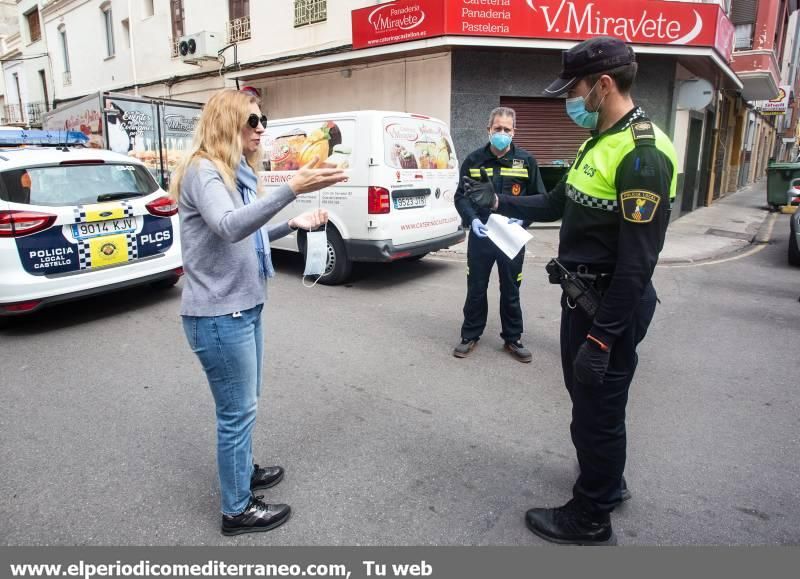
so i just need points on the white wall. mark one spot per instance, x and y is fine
(416, 85)
(273, 36)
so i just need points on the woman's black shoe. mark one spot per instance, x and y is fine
(264, 478)
(257, 517)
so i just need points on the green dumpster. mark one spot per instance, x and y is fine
(779, 177)
(553, 173)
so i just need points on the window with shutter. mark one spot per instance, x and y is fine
(34, 29)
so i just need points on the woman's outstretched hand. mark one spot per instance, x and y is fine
(309, 178)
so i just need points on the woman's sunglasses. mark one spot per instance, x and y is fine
(254, 119)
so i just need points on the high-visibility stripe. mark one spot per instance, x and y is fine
(504, 172)
(519, 277)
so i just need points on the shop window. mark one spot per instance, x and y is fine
(309, 12)
(34, 28)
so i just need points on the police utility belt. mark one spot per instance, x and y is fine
(584, 290)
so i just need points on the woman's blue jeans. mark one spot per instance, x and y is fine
(230, 349)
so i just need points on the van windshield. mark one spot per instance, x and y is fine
(60, 185)
(418, 143)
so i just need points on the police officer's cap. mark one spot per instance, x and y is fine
(598, 54)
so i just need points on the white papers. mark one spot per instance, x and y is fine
(509, 237)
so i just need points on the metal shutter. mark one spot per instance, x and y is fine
(744, 11)
(545, 130)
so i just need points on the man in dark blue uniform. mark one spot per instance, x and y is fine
(512, 171)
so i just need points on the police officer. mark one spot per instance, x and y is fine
(615, 206)
(513, 171)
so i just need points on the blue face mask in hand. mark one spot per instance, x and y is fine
(576, 109)
(316, 255)
(500, 141)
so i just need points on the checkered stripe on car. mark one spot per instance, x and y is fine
(128, 208)
(84, 254)
(133, 246)
(79, 213)
(593, 202)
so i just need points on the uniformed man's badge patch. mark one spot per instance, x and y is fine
(517, 164)
(643, 130)
(516, 189)
(639, 206)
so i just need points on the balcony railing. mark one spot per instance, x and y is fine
(310, 12)
(174, 47)
(238, 29)
(27, 114)
(67, 78)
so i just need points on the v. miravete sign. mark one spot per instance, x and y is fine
(635, 21)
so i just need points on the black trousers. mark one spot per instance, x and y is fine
(598, 413)
(481, 257)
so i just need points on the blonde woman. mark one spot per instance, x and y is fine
(226, 260)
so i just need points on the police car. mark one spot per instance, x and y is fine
(75, 222)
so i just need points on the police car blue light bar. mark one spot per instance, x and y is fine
(16, 137)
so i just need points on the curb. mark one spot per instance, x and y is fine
(761, 237)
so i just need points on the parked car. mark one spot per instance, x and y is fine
(75, 222)
(794, 238)
(398, 200)
(793, 192)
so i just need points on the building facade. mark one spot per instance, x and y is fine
(702, 64)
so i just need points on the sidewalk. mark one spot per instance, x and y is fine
(727, 227)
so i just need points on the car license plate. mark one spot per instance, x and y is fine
(108, 227)
(409, 202)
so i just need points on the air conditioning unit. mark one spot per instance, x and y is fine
(203, 45)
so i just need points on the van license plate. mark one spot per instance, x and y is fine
(409, 202)
(98, 228)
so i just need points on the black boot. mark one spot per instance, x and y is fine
(264, 478)
(571, 524)
(257, 517)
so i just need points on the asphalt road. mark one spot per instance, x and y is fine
(107, 425)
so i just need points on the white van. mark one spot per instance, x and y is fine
(398, 200)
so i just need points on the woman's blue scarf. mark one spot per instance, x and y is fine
(247, 184)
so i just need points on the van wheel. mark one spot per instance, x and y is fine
(339, 265)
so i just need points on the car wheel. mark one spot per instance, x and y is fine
(794, 251)
(339, 265)
(165, 284)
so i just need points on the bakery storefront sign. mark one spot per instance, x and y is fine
(778, 105)
(635, 21)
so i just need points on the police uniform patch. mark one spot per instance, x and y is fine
(639, 206)
(643, 130)
(516, 189)
(518, 164)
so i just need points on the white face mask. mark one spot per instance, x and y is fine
(316, 255)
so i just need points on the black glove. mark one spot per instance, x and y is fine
(481, 193)
(591, 364)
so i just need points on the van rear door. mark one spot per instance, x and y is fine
(420, 171)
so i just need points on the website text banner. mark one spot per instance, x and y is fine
(366, 562)
(634, 21)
